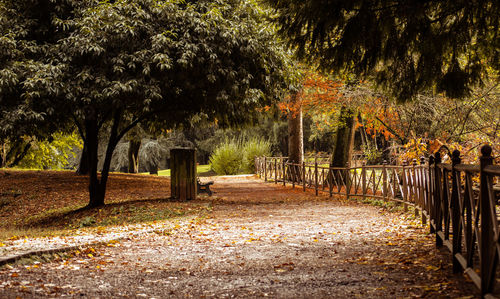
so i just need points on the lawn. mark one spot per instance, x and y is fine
(35, 203)
(202, 170)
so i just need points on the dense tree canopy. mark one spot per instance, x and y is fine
(109, 65)
(407, 46)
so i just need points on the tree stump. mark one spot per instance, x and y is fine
(183, 174)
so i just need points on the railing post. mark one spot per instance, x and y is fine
(415, 186)
(275, 170)
(488, 243)
(384, 180)
(363, 178)
(292, 174)
(347, 181)
(437, 199)
(284, 171)
(422, 190)
(316, 175)
(265, 169)
(430, 195)
(405, 185)
(304, 176)
(455, 210)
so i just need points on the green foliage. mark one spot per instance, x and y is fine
(252, 148)
(87, 221)
(407, 46)
(372, 154)
(109, 65)
(53, 154)
(227, 158)
(238, 155)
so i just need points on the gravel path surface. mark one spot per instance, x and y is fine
(262, 240)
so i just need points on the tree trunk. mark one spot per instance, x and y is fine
(83, 167)
(344, 139)
(133, 156)
(96, 197)
(295, 136)
(97, 187)
(342, 148)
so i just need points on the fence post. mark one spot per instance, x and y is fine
(437, 199)
(416, 197)
(347, 181)
(292, 173)
(265, 169)
(384, 182)
(363, 178)
(316, 175)
(455, 210)
(284, 171)
(422, 190)
(275, 170)
(405, 185)
(430, 195)
(488, 248)
(304, 176)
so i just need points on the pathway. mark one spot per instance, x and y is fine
(262, 240)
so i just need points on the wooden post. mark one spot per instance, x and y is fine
(422, 189)
(363, 178)
(284, 171)
(455, 209)
(489, 260)
(416, 197)
(405, 186)
(304, 176)
(275, 170)
(430, 195)
(330, 181)
(316, 175)
(183, 174)
(384, 180)
(265, 169)
(347, 181)
(437, 199)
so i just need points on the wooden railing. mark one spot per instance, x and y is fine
(460, 202)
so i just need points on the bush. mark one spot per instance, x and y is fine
(227, 158)
(237, 156)
(254, 147)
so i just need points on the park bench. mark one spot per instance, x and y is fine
(204, 187)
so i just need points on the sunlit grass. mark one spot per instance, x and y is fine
(200, 169)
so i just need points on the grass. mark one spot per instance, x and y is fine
(202, 170)
(50, 203)
(64, 221)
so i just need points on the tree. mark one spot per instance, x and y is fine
(295, 131)
(406, 46)
(117, 64)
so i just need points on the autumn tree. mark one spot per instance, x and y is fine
(112, 65)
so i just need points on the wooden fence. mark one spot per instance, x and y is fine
(460, 202)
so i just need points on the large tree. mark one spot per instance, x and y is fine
(119, 63)
(407, 46)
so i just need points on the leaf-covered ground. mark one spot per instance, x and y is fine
(259, 240)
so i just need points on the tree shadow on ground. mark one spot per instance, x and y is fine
(115, 213)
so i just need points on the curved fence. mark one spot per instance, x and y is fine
(460, 202)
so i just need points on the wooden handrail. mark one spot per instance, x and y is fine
(445, 194)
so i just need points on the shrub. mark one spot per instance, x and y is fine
(254, 147)
(227, 158)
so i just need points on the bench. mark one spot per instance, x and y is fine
(204, 187)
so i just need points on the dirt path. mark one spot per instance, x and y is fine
(261, 240)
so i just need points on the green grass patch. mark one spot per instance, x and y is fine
(202, 170)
